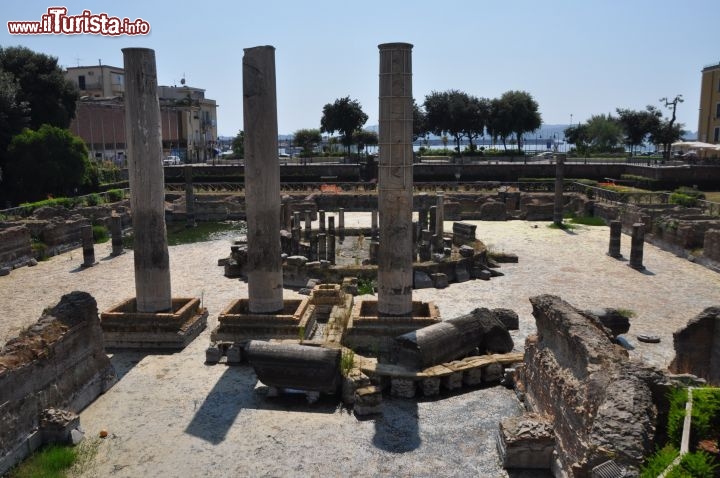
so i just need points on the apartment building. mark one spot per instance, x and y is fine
(709, 118)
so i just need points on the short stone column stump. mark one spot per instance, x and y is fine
(527, 441)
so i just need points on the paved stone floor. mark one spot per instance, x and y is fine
(171, 415)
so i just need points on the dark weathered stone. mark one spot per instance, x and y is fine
(508, 317)
(616, 322)
(636, 246)
(697, 347)
(615, 235)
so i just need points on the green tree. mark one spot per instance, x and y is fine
(364, 138)
(48, 162)
(307, 139)
(42, 85)
(420, 129)
(477, 118)
(499, 124)
(14, 113)
(667, 132)
(637, 125)
(448, 112)
(345, 116)
(518, 113)
(238, 145)
(604, 133)
(578, 135)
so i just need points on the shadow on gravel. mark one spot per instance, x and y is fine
(396, 430)
(124, 361)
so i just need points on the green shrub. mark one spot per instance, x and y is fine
(39, 249)
(115, 195)
(697, 464)
(683, 200)
(347, 361)
(366, 286)
(588, 221)
(692, 192)
(93, 199)
(659, 461)
(676, 415)
(705, 413)
(30, 207)
(100, 234)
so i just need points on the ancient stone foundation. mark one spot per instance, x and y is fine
(57, 363)
(697, 347)
(126, 328)
(600, 404)
(238, 325)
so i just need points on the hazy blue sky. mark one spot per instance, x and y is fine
(576, 57)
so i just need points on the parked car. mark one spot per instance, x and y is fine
(171, 160)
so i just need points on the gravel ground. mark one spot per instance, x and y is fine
(171, 415)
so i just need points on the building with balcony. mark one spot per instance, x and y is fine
(100, 81)
(188, 119)
(709, 120)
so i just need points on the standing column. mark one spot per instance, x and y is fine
(615, 233)
(88, 246)
(440, 222)
(374, 224)
(308, 224)
(295, 231)
(147, 190)
(189, 198)
(262, 181)
(431, 221)
(116, 235)
(321, 220)
(341, 224)
(636, 246)
(331, 239)
(395, 180)
(559, 202)
(322, 246)
(422, 218)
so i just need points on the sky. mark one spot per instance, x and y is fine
(575, 57)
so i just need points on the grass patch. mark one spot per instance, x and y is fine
(366, 286)
(657, 463)
(676, 415)
(588, 221)
(50, 462)
(100, 234)
(347, 361)
(627, 313)
(698, 464)
(205, 231)
(563, 226)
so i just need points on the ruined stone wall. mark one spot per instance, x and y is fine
(697, 347)
(59, 362)
(711, 245)
(600, 404)
(15, 246)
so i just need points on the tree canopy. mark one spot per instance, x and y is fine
(344, 116)
(364, 138)
(41, 85)
(238, 145)
(637, 125)
(48, 162)
(307, 139)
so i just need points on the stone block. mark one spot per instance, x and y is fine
(296, 261)
(421, 280)
(466, 251)
(354, 381)
(212, 355)
(368, 401)
(493, 211)
(452, 381)
(493, 373)
(526, 442)
(461, 273)
(507, 317)
(472, 377)
(402, 387)
(439, 280)
(5, 271)
(483, 274)
(430, 386)
(234, 354)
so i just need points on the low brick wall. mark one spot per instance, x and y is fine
(59, 363)
(15, 248)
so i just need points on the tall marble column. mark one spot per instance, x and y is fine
(147, 189)
(262, 181)
(395, 180)
(439, 245)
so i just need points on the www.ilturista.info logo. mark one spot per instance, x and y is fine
(58, 22)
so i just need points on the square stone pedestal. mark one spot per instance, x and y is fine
(238, 325)
(126, 328)
(527, 441)
(368, 333)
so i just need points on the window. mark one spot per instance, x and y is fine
(717, 135)
(117, 79)
(717, 110)
(81, 82)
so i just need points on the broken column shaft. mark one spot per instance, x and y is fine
(262, 181)
(395, 180)
(147, 189)
(615, 234)
(559, 200)
(636, 246)
(88, 246)
(189, 197)
(439, 244)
